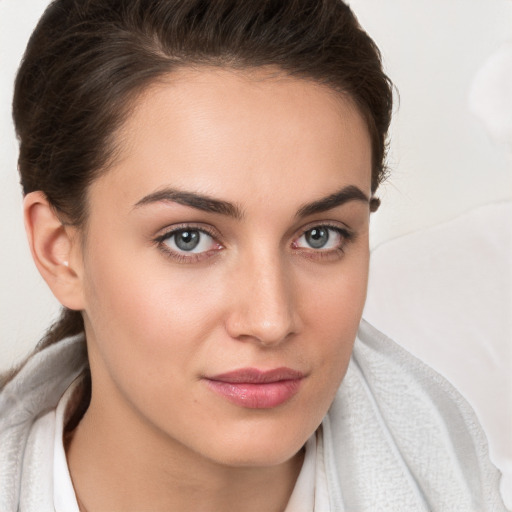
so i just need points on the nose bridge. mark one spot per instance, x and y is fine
(264, 300)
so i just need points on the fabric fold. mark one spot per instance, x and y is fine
(398, 437)
(405, 439)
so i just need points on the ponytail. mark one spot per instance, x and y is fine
(69, 323)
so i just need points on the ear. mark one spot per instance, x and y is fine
(55, 249)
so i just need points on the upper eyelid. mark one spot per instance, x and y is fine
(338, 229)
(336, 225)
(170, 230)
(328, 223)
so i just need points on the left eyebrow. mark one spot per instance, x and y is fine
(346, 194)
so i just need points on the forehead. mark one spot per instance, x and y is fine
(223, 132)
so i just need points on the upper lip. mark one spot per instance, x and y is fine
(256, 376)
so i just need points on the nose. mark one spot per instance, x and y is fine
(263, 305)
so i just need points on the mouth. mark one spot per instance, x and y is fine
(256, 389)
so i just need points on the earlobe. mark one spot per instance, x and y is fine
(55, 250)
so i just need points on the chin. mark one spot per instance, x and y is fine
(263, 447)
(255, 457)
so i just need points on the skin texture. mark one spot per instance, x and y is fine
(256, 295)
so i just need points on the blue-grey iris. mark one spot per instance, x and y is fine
(187, 240)
(317, 237)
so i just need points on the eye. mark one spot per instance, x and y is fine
(322, 238)
(189, 240)
(187, 244)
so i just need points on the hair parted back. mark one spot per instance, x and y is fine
(88, 60)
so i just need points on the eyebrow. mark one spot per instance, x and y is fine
(346, 194)
(209, 204)
(194, 200)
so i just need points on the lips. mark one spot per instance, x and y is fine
(257, 389)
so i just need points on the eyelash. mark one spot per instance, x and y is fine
(190, 257)
(336, 253)
(346, 235)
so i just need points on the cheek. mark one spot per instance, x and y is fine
(150, 328)
(332, 309)
(336, 298)
(143, 317)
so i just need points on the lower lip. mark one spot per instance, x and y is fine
(256, 396)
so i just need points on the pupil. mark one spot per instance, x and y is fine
(187, 240)
(317, 237)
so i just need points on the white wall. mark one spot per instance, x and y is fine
(26, 307)
(442, 161)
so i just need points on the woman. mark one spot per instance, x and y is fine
(198, 180)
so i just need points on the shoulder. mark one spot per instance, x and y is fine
(400, 435)
(35, 390)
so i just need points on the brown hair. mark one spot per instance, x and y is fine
(87, 61)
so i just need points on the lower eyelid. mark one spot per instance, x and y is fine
(188, 257)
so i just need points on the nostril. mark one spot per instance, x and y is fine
(275, 339)
(261, 326)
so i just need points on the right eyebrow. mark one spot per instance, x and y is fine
(192, 199)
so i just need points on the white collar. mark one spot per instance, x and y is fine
(310, 491)
(309, 494)
(64, 497)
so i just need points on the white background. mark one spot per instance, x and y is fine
(442, 161)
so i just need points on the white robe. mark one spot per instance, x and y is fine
(398, 437)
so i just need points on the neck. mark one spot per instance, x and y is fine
(116, 467)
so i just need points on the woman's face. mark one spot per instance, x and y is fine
(225, 263)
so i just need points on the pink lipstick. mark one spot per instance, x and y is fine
(257, 389)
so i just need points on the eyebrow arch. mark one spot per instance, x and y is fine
(346, 194)
(198, 201)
